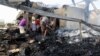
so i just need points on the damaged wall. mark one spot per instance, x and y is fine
(61, 11)
(98, 20)
(72, 12)
(94, 18)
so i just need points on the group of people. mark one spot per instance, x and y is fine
(38, 23)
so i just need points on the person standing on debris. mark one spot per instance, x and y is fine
(22, 25)
(33, 26)
(44, 24)
(37, 22)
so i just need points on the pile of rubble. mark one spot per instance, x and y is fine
(69, 45)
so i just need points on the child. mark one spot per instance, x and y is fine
(22, 25)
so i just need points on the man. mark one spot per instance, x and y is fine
(44, 24)
(33, 24)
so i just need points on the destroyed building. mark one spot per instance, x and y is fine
(59, 42)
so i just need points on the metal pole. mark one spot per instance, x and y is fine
(80, 27)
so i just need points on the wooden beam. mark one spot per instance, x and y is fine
(40, 12)
(91, 26)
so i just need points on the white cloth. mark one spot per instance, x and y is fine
(44, 19)
(22, 30)
(14, 50)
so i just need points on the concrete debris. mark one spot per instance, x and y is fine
(73, 33)
(59, 44)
